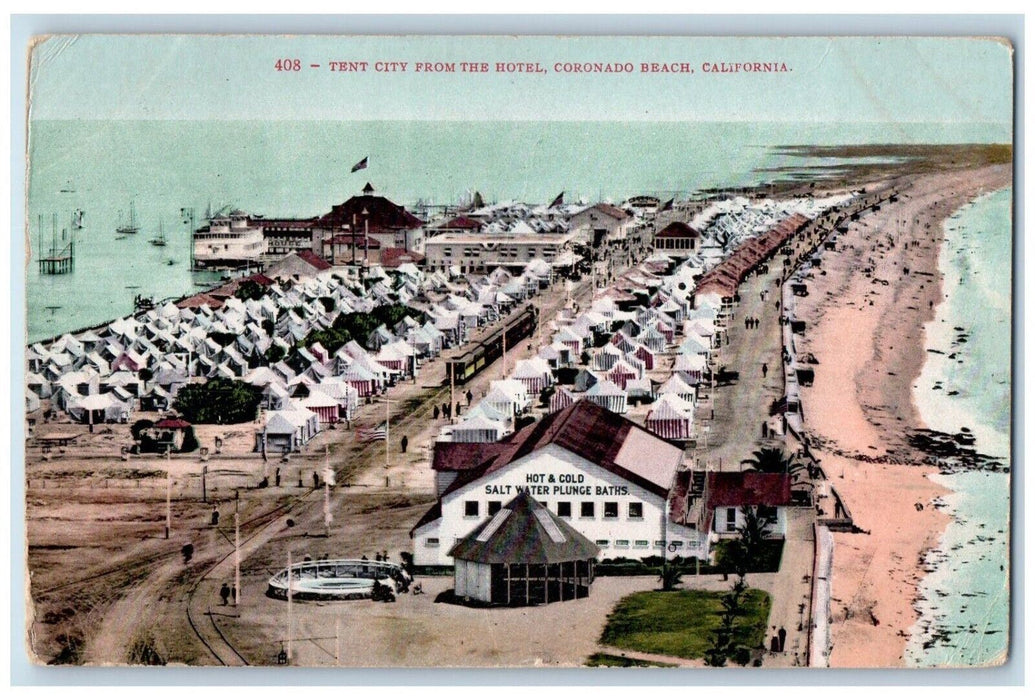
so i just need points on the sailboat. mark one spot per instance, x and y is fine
(132, 226)
(160, 239)
(69, 188)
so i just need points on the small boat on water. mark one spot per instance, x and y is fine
(159, 240)
(170, 262)
(69, 188)
(130, 226)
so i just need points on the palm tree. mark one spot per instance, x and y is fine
(773, 460)
(753, 534)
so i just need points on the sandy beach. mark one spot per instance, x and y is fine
(866, 308)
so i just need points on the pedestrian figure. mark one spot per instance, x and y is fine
(224, 593)
(782, 634)
(470, 397)
(233, 593)
(187, 551)
(765, 370)
(458, 408)
(403, 443)
(435, 413)
(316, 480)
(277, 476)
(215, 517)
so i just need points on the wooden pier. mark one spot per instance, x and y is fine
(58, 262)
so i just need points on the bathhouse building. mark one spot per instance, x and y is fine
(605, 476)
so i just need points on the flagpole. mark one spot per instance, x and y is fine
(388, 420)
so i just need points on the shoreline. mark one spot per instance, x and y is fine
(960, 619)
(860, 422)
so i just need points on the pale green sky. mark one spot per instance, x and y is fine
(233, 77)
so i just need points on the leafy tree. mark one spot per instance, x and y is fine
(250, 290)
(670, 576)
(190, 440)
(145, 374)
(139, 427)
(269, 327)
(220, 401)
(275, 354)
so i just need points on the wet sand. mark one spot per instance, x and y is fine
(866, 331)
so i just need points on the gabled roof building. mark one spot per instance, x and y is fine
(605, 476)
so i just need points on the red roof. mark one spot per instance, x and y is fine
(584, 428)
(172, 423)
(727, 275)
(199, 300)
(381, 215)
(462, 222)
(678, 229)
(611, 210)
(464, 456)
(394, 257)
(748, 489)
(230, 288)
(314, 260)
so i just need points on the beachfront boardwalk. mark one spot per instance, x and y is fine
(791, 590)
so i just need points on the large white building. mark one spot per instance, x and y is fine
(606, 476)
(482, 252)
(228, 239)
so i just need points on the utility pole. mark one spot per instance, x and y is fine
(237, 548)
(388, 420)
(328, 477)
(168, 494)
(204, 490)
(290, 619)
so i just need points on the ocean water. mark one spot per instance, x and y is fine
(964, 601)
(301, 168)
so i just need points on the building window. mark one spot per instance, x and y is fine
(621, 543)
(470, 509)
(587, 510)
(642, 544)
(636, 511)
(564, 509)
(431, 542)
(659, 543)
(677, 543)
(610, 509)
(731, 519)
(767, 513)
(603, 543)
(494, 507)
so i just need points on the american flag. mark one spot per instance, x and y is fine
(374, 434)
(361, 165)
